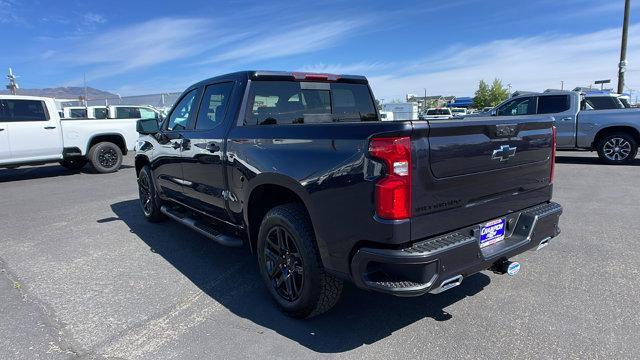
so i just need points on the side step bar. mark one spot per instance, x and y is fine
(203, 229)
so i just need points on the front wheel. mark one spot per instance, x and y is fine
(149, 202)
(617, 148)
(105, 157)
(290, 264)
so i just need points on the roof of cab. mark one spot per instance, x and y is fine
(282, 75)
(25, 97)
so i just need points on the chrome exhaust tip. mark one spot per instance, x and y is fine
(447, 284)
(543, 243)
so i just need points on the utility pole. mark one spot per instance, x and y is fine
(424, 107)
(13, 85)
(623, 47)
(561, 84)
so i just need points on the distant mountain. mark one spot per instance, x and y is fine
(71, 92)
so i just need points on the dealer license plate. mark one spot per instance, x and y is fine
(492, 232)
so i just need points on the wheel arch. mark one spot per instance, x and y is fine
(114, 138)
(268, 191)
(140, 162)
(615, 129)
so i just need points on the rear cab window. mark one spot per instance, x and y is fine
(14, 110)
(294, 102)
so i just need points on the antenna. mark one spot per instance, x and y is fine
(13, 85)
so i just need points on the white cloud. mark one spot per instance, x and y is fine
(533, 63)
(8, 12)
(143, 45)
(294, 40)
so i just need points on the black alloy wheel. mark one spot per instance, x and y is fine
(284, 264)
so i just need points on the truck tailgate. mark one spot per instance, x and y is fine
(474, 170)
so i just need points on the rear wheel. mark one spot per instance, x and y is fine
(617, 148)
(148, 200)
(74, 163)
(290, 264)
(105, 157)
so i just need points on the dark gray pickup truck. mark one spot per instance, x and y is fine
(298, 168)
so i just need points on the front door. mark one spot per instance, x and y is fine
(203, 151)
(166, 165)
(32, 134)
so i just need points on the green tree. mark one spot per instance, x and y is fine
(497, 93)
(482, 98)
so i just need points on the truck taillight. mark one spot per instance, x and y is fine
(553, 155)
(393, 191)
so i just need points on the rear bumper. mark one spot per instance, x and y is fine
(423, 266)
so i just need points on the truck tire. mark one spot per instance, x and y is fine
(617, 148)
(149, 201)
(74, 164)
(290, 264)
(105, 157)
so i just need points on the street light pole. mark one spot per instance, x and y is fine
(623, 47)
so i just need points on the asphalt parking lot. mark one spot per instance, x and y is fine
(84, 276)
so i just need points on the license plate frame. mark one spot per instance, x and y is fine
(492, 232)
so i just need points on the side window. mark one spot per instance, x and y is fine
(553, 104)
(23, 110)
(127, 113)
(100, 113)
(521, 106)
(147, 113)
(214, 106)
(180, 115)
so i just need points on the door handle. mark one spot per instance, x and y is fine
(49, 127)
(1, 129)
(568, 118)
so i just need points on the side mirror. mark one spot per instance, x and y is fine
(494, 112)
(147, 126)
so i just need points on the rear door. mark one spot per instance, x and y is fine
(560, 107)
(202, 153)
(167, 166)
(33, 135)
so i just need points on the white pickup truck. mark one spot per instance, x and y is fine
(31, 133)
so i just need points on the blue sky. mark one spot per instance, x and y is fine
(446, 47)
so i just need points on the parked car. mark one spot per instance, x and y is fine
(614, 134)
(299, 168)
(31, 132)
(437, 114)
